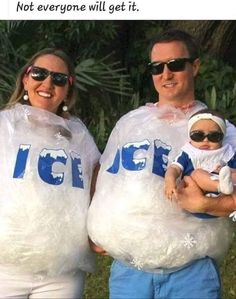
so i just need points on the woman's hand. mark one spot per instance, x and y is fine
(97, 249)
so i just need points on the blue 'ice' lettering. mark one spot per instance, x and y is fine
(116, 164)
(21, 160)
(161, 152)
(77, 175)
(129, 159)
(46, 160)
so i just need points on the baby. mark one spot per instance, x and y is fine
(209, 162)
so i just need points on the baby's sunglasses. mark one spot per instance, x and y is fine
(174, 65)
(40, 74)
(214, 136)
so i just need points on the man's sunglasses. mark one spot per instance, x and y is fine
(174, 65)
(214, 136)
(40, 74)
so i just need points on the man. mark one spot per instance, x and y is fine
(160, 251)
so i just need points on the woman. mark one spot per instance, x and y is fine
(47, 161)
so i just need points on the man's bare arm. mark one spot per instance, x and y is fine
(191, 198)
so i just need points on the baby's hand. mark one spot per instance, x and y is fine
(218, 168)
(170, 191)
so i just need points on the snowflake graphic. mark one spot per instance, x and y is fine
(137, 263)
(233, 216)
(189, 241)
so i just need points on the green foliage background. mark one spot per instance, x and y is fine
(110, 59)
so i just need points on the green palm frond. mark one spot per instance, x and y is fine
(104, 75)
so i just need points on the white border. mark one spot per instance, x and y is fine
(124, 10)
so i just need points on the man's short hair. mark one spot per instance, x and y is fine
(171, 35)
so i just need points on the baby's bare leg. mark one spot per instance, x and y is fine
(204, 181)
(233, 174)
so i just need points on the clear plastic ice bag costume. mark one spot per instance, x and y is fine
(46, 169)
(129, 216)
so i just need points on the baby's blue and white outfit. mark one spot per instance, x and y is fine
(192, 158)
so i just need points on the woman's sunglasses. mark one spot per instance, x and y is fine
(214, 136)
(40, 74)
(174, 65)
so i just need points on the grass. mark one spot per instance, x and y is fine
(97, 283)
(228, 272)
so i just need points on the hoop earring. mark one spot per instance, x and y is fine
(25, 96)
